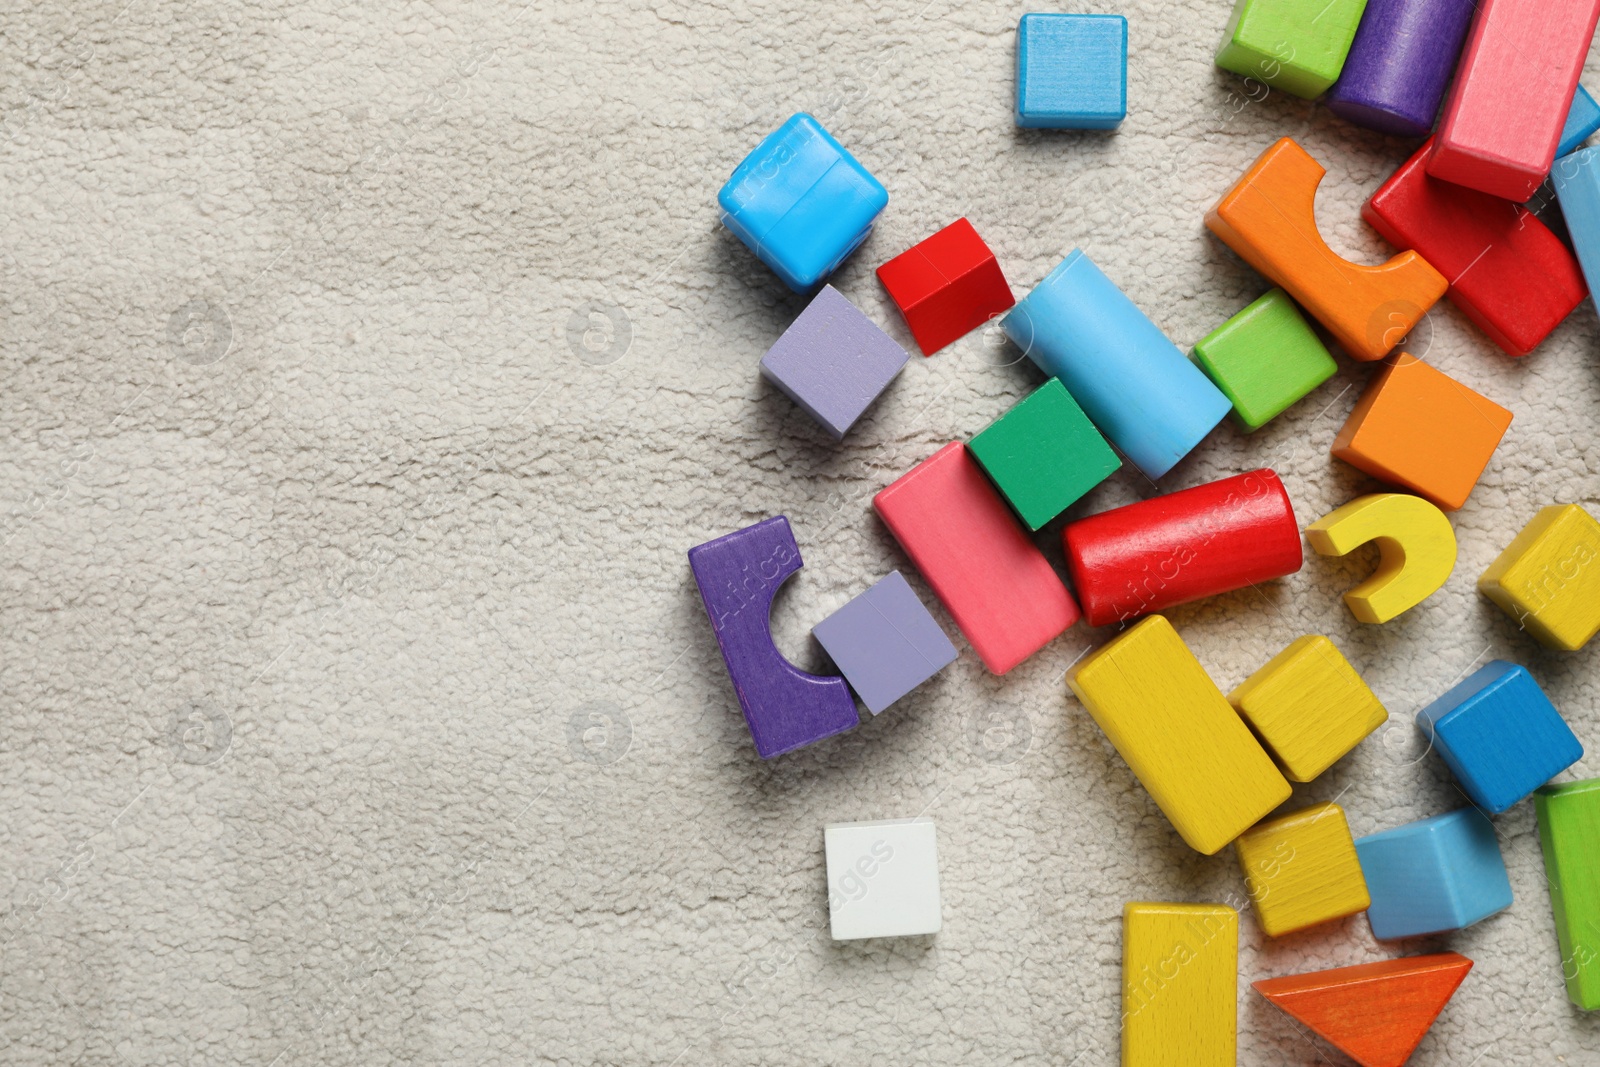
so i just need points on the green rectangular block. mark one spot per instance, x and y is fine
(1044, 454)
(1569, 831)
(1264, 359)
(1298, 46)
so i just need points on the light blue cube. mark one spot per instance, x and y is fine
(885, 642)
(1500, 735)
(801, 203)
(1433, 875)
(1582, 120)
(1072, 72)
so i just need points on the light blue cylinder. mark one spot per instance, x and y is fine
(1122, 370)
(1577, 181)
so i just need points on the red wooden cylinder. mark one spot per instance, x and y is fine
(1172, 549)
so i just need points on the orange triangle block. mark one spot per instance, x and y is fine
(1375, 1013)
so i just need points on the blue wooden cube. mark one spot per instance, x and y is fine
(1072, 72)
(1583, 118)
(1500, 735)
(885, 643)
(801, 203)
(1433, 875)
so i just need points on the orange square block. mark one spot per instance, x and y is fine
(1421, 429)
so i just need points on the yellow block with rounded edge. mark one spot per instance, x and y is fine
(1416, 550)
(1179, 734)
(1546, 579)
(1302, 870)
(1308, 706)
(1180, 981)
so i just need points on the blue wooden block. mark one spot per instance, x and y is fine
(801, 203)
(1582, 120)
(1577, 181)
(1500, 735)
(833, 361)
(885, 642)
(1122, 370)
(1072, 72)
(1433, 875)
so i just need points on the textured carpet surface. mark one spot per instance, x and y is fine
(369, 370)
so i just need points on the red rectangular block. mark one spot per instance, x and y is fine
(946, 286)
(1507, 271)
(1513, 89)
(991, 577)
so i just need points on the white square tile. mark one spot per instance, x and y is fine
(883, 878)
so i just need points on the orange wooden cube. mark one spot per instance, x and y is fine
(1420, 428)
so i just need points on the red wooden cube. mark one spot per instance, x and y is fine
(946, 286)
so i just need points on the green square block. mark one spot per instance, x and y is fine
(1044, 454)
(1569, 831)
(1298, 46)
(1264, 359)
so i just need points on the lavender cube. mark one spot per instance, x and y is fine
(833, 361)
(885, 642)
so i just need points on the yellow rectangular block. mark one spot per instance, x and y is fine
(1302, 870)
(1179, 735)
(1546, 579)
(1180, 980)
(1308, 706)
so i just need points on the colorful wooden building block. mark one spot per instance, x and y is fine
(1419, 428)
(1416, 551)
(1433, 875)
(946, 286)
(1500, 735)
(988, 573)
(1264, 359)
(883, 878)
(1583, 118)
(1044, 454)
(801, 203)
(885, 642)
(833, 361)
(1375, 1013)
(1182, 547)
(785, 707)
(1138, 388)
(1298, 46)
(1400, 64)
(1308, 706)
(1180, 974)
(1072, 72)
(1301, 870)
(1178, 734)
(1546, 578)
(1569, 832)
(1507, 271)
(1269, 219)
(1577, 181)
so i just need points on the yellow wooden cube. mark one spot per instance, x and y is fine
(1302, 870)
(1308, 706)
(1546, 578)
(1180, 979)
(1166, 717)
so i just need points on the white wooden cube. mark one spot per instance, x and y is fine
(883, 878)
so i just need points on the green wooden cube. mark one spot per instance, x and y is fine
(1569, 831)
(1264, 359)
(1044, 454)
(1298, 46)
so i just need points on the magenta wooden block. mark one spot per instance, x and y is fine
(738, 574)
(833, 361)
(1400, 64)
(885, 642)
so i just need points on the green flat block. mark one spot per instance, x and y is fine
(1569, 830)
(1264, 359)
(1298, 46)
(1044, 454)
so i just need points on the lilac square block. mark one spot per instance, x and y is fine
(885, 642)
(833, 361)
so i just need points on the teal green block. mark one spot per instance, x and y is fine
(1044, 454)
(1264, 359)
(1298, 46)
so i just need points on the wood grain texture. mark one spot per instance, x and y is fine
(1308, 706)
(1072, 71)
(1400, 64)
(1180, 974)
(1416, 546)
(1546, 578)
(1301, 870)
(1569, 833)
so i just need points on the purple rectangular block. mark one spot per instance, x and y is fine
(833, 361)
(738, 574)
(885, 642)
(1400, 64)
